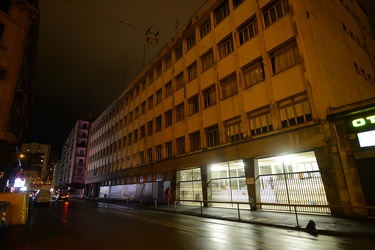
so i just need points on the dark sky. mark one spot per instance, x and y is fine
(87, 53)
(88, 50)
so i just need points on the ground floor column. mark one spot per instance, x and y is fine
(206, 178)
(250, 170)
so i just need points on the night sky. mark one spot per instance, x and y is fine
(90, 49)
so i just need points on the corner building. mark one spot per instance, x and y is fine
(234, 109)
(19, 33)
(70, 170)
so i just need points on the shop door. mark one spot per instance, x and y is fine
(366, 171)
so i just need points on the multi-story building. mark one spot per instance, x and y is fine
(70, 169)
(35, 157)
(234, 109)
(19, 25)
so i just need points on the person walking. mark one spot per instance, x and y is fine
(167, 194)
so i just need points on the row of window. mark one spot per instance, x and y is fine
(292, 111)
(282, 58)
(363, 73)
(355, 16)
(225, 47)
(355, 38)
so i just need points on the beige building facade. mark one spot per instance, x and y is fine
(69, 173)
(234, 109)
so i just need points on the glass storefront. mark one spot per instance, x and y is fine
(228, 183)
(189, 186)
(291, 179)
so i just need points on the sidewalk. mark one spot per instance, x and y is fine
(324, 224)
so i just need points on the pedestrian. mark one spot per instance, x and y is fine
(167, 194)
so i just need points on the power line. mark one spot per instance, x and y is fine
(109, 17)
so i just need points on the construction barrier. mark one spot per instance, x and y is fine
(3, 211)
(17, 209)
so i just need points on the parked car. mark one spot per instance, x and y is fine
(62, 196)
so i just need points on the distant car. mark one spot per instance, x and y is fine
(42, 196)
(62, 196)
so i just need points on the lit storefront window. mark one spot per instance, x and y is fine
(190, 185)
(291, 179)
(228, 183)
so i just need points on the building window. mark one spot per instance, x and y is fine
(179, 81)
(192, 71)
(233, 129)
(149, 154)
(129, 139)
(237, 3)
(275, 11)
(158, 123)
(191, 42)
(123, 142)
(193, 105)
(253, 73)
(179, 112)
(195, 141)
(2, 28)
(221, 12)
(142, 159)
(158, 71)
(225, 47)
(168, 149)
(150, 125)
(159, 152)
(229, 86)
(207, 60)
(125, 120)
(180, 145)
(205, 28)
(159, 96)
(284, 57)
(168, 89)
(150, 79)
(135, 137)
(178, 53)
(168, 62)
(142, 132)
(295, 110)
(136, 112)
(143, 107)
(212, 135)
(168, 118)
(260, 121)
(143, 85)
(130, 117)
(209, 96)
(150, 102)
(248, 31)
(136, 91)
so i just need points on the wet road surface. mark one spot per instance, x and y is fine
(93, 225)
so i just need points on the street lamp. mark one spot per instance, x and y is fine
(152, 37)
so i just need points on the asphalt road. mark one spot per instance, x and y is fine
(93, 225)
